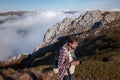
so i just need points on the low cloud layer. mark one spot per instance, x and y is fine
(20, 34)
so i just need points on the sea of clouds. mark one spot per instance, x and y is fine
(21, 34)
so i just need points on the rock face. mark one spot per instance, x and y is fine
(86, 21)
(25, 76)
(14, 60)
(57, 29)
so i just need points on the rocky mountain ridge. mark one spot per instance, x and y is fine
(85, 22)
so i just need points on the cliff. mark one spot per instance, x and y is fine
(86, 21)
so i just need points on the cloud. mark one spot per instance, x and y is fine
(21, 34)
(115, 9)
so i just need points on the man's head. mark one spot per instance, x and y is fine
(72, 42)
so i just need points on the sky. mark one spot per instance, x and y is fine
(33, 5)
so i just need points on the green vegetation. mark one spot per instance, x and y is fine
(100, 56)
(95, 67)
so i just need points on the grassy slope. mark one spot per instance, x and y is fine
(94, 67)
(101, 56)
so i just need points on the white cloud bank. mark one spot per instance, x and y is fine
(20, 34)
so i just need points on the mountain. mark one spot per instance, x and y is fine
(19, 13)
(86, 21)
(99, 44)
(98, 34)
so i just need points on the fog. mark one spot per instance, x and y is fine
(21, 34)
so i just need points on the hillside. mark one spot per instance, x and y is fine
(20, 13)
(98, 33)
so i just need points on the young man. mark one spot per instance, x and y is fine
(66, 61)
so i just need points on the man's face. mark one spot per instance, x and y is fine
(73, 45)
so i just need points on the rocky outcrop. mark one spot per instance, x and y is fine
(14, 60)
(57, 29)
(25, 76)
(86, 21)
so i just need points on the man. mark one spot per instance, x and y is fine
(66, 62)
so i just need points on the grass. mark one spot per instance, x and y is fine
(100, 56)
(97, 69)
(94, 67)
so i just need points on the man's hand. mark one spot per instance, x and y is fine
(75, 63)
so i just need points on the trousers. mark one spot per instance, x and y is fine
(68, 77)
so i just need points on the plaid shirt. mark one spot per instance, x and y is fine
(63, 62)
